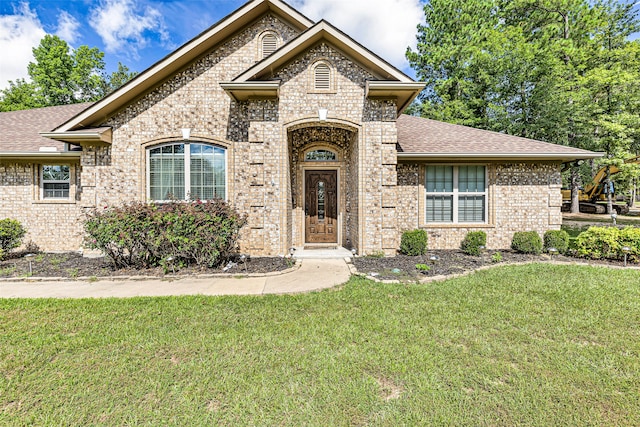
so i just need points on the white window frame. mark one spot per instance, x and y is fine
(43, 181)
(456, 194)
(187, 167)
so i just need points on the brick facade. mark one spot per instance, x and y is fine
(265, 142)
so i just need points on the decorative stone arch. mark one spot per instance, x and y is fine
(268, 42)
(338, 137)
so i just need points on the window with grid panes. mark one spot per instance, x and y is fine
(187, 171)
(56, 181)
(456, 194)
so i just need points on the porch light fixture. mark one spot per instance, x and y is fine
(322, 114)
(613, 217)
(186, 133)
(625, 251)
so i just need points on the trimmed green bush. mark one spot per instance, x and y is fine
(11, 234)
(527, 242)
(414, 242)
(558, 239)
(607, 243)
(473, 241)
(599, 243)
(145, 235)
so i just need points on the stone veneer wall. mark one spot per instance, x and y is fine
(52, 225)
(522, 197)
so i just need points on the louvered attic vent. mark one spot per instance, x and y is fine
(269, 45)
(322, 77)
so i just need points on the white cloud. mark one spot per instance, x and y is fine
(125, 27)
(19, 34)
(67, 27)
(387, 27)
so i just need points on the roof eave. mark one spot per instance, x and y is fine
(39, 155)
(75, 137)
(242, 91)
(403, 92)
(500, 156)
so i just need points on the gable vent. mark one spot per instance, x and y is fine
(269, 45)
(322, 77)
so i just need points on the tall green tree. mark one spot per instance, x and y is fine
(61, 75)
(561, 71)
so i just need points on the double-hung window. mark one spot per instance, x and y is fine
(186, 171)
(456, 194)
(56, 182)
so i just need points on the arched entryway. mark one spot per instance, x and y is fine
(324, 183)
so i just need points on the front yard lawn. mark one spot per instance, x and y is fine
(533, 344)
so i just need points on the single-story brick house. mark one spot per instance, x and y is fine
(295, 124)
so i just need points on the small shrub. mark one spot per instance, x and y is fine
(1, 254)
(414, 242)
(496, 257)
(423, 267)
(558, 239)
(11, 234)
(143, 235)
(599, 243)
(375, 254)
(527, 242)
(630, 237)
(473, 241)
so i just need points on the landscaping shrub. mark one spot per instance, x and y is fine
(599, 243)
(473, 241)
(558, 239)
(607, 243)
(145, 235)
(11, 234)
(414, 242)
(527, 242)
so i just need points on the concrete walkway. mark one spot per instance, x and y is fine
(312, 275)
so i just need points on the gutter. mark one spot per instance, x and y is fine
(36, 155)
(500, 156)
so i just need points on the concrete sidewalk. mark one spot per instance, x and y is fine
(313, 274)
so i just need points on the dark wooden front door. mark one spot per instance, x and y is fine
(321, 210)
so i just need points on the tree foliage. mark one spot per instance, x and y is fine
(61, 75)
(562, 71)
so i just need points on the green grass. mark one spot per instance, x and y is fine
(515, 345)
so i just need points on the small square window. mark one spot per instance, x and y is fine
(56, 181)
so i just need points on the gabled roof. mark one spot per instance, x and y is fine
(185, 54)
(19, 130)
(390, 82)
(425, 139)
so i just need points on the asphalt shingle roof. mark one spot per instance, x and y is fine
(418, 135)
(19, 130)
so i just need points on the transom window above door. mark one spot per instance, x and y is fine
(184, 171)
(320, 156)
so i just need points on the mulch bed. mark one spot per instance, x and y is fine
(400, 267)
(447, 262)
(72, 265)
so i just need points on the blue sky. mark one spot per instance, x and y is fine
(140, 32)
